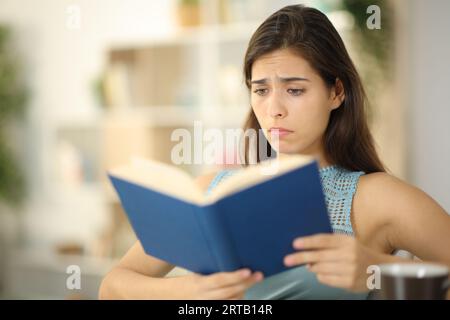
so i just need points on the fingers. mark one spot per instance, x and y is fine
(320, 241)
(237, 291)
(225, 279)
(333, 280)
(330, 268)
(304, 257)
(318, 248)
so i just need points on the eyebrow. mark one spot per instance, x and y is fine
(288, 79)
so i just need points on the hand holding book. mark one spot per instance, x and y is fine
(217, 286)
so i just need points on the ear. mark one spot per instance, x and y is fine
(337, 94)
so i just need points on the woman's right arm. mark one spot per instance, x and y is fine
(141, 276)
(137, 275)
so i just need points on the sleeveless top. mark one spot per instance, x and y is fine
(339, 186)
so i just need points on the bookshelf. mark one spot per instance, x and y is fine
(149, 88)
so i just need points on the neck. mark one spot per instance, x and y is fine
(322, 161)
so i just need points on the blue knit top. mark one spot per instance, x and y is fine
(339, 186)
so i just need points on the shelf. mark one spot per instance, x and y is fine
(235, 31)
(158, 116)
(174, 116)
(238, 31)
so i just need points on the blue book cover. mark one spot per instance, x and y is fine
(251, 221)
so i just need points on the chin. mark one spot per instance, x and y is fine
(291, 148)
(287, 148)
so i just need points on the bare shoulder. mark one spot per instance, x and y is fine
(409, 218)
(386, 193)
(373, 209)
(204, 180)
(378, 187)
(381, 196)
(385, 207)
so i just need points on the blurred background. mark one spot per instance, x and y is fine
(85, 84)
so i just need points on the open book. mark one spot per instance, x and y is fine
(249, 220)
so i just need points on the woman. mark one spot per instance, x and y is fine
(306, 91)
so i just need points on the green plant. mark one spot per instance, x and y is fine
(13, 98)
(378, 43)
(374, 48)
(189, 2)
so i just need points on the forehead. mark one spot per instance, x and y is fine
(282, 63)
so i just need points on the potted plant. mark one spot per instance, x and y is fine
(189, 13)
(13, 97)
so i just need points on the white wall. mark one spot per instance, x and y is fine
(61, 64)
(429, 100)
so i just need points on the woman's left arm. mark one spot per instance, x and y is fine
(416, 222)
(412, 221)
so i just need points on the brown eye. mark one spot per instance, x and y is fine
(260, 92)
(296, 92)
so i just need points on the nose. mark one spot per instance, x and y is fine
(276, 109)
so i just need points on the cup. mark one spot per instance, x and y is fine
(414, 281)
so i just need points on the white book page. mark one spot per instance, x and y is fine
(258, 173)
(161, 177)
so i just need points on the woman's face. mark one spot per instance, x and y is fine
(287, 93)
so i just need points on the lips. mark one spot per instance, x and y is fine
(279, 131)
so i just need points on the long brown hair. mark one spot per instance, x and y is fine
(347, 140)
